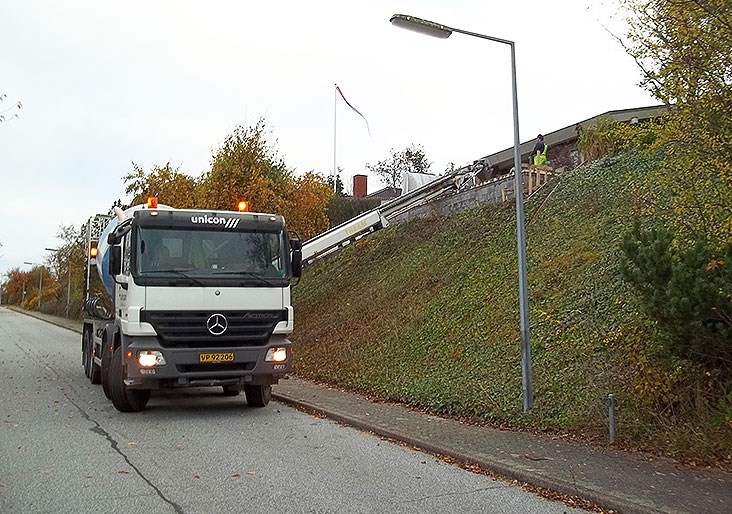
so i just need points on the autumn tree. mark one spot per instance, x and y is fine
(14, 286)
(412, 159)
(246, 166)
(67, 262)
(170, 186)
(307, 205)
(684, 50)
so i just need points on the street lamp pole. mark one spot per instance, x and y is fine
(438, 30)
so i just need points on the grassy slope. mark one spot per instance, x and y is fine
(426, 312)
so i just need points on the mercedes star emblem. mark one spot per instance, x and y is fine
(217, 324)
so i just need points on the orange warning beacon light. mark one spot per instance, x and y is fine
(243, 206)
(152, 202)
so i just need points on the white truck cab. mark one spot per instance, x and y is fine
(200, 298)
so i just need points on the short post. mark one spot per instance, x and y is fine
(611, 415)
(531, 180)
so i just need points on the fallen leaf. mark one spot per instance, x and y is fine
(235, 475)
(123, 472)
(251, 473)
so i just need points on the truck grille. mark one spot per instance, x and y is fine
(189, 329)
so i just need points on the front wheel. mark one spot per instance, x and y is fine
(258, 395)
(123, 399)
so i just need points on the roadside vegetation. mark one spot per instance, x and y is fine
(630, 276)
(426, 313)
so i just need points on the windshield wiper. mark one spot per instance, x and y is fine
(262, 279)
(178, 272)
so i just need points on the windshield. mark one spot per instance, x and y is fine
(204, 253)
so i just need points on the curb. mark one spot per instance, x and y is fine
(500, 469)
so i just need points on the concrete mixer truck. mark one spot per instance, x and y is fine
(189, 298)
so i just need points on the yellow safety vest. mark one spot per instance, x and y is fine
(540, 160)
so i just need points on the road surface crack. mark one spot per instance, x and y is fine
(97, 429)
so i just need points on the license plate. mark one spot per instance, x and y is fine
(214, 358)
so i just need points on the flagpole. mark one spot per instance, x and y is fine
(335, 108)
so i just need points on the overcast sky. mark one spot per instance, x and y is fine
(106, 83)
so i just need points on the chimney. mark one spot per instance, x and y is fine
(360, 186)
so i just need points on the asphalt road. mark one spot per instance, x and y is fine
(64, 448)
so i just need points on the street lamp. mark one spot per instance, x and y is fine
(438, 30)
(40, 282)
(68, 285)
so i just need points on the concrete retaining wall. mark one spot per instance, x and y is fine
(490, 192)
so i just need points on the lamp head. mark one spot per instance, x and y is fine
(415, 24)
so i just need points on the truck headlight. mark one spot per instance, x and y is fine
(150, 358)
(277, 354)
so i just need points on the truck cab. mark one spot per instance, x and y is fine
(200, 298)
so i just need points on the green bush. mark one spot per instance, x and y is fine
(688, 291)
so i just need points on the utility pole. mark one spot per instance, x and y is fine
(67, 259)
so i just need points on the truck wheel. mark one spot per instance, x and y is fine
(258, 395)
(123, 399)
(106, 358)
(231, 390)
(85, 353)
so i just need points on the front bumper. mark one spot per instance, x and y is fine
(183, 368)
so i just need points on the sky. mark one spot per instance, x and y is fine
(105, 83)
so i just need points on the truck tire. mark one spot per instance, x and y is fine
(106, 359)
(86, 353)
(231, 390)
(123, 399)
(258, 395)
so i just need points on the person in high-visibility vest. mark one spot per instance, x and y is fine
(539, 152)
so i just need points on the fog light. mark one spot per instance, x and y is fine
(148, 358)
(278, 354)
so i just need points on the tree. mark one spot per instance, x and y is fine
(170, 186)
(412, 159)
(339, 189)
(68, 264)
(688, 291)
(246, 166)
(684, 50)
(13, 287)
(306, 209)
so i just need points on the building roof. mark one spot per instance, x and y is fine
(503, 161)
(386, 193)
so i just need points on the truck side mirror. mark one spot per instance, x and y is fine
(115, 260)
(297, 263)
(296, 247)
